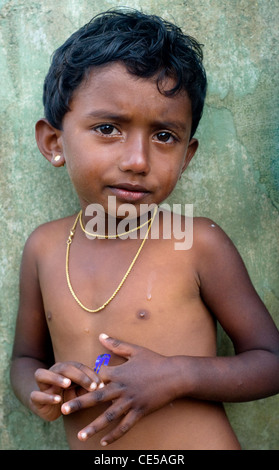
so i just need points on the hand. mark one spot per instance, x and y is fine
(136, 388)
(63, 381)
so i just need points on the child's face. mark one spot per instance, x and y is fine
(123, 138)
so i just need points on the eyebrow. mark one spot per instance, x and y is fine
(104, 114)
(178, 125)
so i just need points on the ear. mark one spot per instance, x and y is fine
(191, 150)
(49, 142)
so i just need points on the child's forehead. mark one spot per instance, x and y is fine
(114, 73)
(113, 83)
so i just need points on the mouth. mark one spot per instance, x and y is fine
(129, 192)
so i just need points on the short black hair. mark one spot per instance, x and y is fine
(146, 44)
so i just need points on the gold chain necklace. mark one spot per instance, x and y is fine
(97, 235)
(69, 242)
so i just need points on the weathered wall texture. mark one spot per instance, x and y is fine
(233, 179)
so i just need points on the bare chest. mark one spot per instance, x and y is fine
(157, 306)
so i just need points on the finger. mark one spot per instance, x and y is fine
(118, 347)
(44, 376)
(90, 399)
(41, 398)
(111, 414)
(122, 428)
(78, 373)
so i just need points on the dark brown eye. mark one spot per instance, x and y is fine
(165, 137)
(107, 129)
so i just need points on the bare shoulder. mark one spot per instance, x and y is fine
(47, 235)
(208, 235)
(206, 228)
(214, 250)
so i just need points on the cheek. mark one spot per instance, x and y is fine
(75, 150)
(170, 172)
(80, 173)
(78, 162)
(168, 182)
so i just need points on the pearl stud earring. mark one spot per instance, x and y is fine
(57, 158)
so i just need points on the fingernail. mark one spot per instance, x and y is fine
(83, 435)
(66, 382)
(93, 386)
(101, 385)
(103, 336)
(66, 409)
(104, 443)
(57, 398)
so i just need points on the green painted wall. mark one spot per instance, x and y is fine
(233, 179)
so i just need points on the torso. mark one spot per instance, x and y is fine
(158, 307)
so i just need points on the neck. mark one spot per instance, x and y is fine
(107, 226)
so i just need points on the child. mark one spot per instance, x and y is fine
(123, 98)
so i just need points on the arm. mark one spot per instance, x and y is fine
(37, 382)
(227, 291)
(32, 345)
(148, 381)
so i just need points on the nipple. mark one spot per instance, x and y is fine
(49, 315)
(143, 314)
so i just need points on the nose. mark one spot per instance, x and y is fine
(135, 155)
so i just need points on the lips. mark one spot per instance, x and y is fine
(129, 192)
